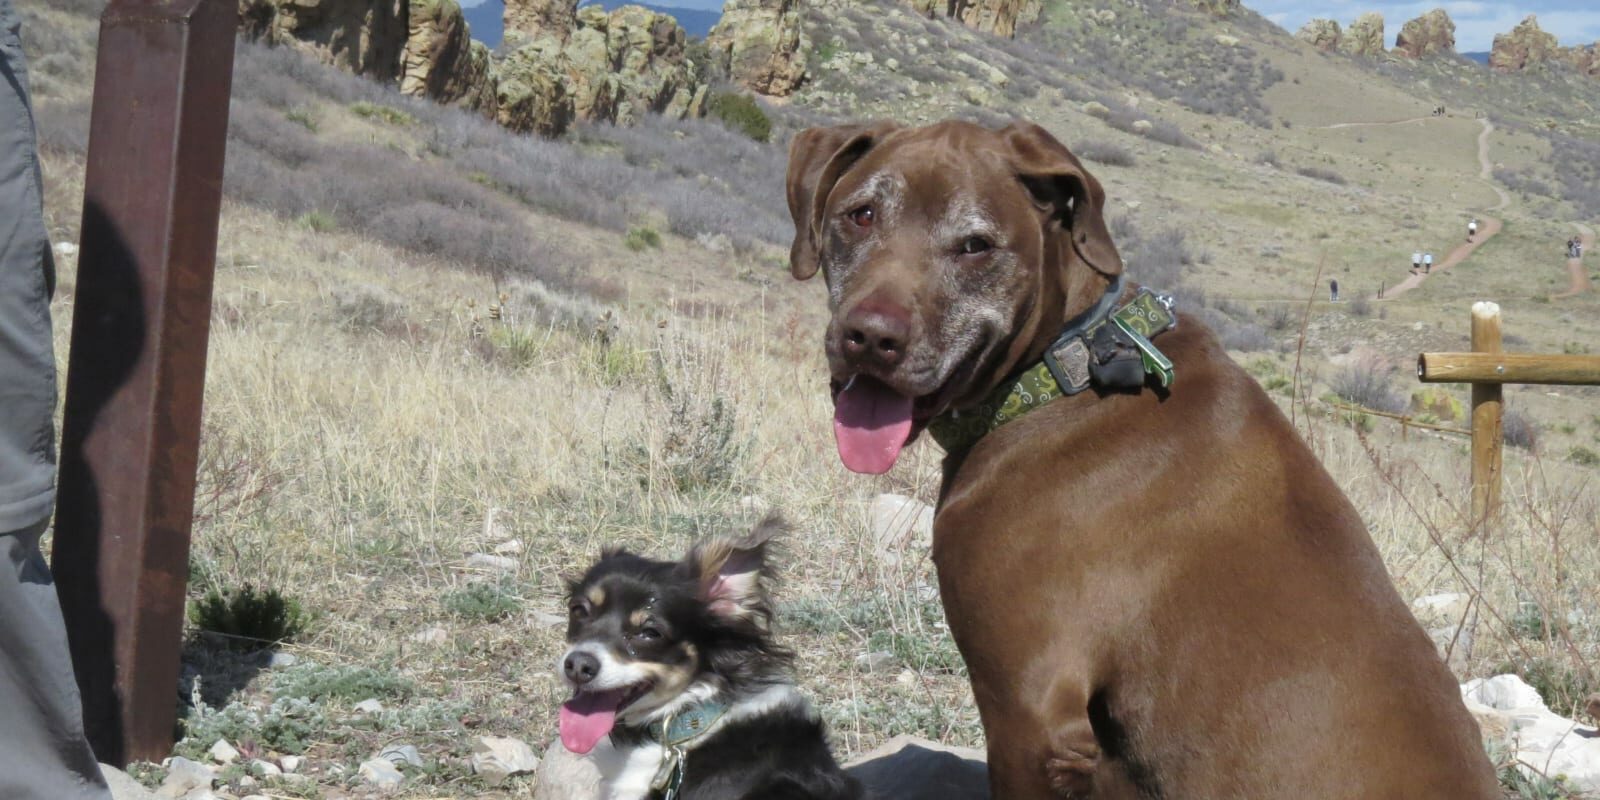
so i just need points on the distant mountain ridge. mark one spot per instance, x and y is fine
(1481, 58)
(488, 24)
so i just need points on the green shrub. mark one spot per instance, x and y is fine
(393, 116)
(248, 618)
(642, 238)
(484, 602)
(741, 113)
(1583, 456)
(289, 725)
(302, 117)
(318, 221)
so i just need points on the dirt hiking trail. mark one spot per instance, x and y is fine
(1487, 226)
(1579, 276)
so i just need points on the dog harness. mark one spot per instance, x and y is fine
(673, 733)
(1107, 346)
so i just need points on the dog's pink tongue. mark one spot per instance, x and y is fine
(587, 718)
(870, 424)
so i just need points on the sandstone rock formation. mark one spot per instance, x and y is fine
(1431, 33)
(1322, 34)
(441, 61)
(526, 20)
(360, 36)
(999, 17)
(761, 45)
(1364, 37)
(1220, 8)
(1529, 46)
(611, 67)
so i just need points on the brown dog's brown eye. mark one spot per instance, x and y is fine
(975, 245)
(863, 217)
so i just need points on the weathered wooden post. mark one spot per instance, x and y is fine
(153, 190)
(1488, 415)
(1488, 369)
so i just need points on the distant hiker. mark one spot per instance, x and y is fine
(1427, 263)
(1572, 248)
(1416, 260)
(1333, 291)
(1472, 229)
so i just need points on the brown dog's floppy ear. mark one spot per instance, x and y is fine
(1057, 180)
(817, 159)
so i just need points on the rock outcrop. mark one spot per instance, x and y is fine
(1322, 34)
(441, 61)
(1527, 45)
(999, 17)
(611, 67)
(1512, 715)
(526, 20)
(1220, 8)
(1431, 33)
(760, 45)
(1364, 37)
(360, 36)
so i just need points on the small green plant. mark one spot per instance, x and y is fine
(313, 682)
(1583, 456)
(303, 118)
(826, 52)
(318, 221)
(382, 113)
(249, 619)
(1277, 383)
(1563, 686)
(1575, 348)
(741, 113)
(1567, 428)
(642, 238)
(289, 725)
(484, 602)
(516, 346)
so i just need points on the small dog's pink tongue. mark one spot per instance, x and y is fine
(870, 424)
(587, 718)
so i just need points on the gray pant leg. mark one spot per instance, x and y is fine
(43, 753)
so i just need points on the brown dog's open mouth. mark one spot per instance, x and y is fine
(871, 424)
(590, 715)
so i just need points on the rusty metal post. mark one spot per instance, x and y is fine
(153, 190)
(1487, 419)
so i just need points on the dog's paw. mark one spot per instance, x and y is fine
(1071, 774)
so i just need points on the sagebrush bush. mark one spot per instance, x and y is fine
(1321, 174)
(313, 682)
(642, 238)
(1519, 430)
(1105, 153)
(1366, 382)
(484, 602)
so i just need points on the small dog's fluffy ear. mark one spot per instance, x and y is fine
(732, 572)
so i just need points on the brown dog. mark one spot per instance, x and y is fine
(1158, 592)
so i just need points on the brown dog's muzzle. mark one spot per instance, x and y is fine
(874, 336)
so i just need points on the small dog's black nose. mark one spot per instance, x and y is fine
(580, 667)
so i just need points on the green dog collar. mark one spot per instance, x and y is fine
(1070, 365)
(674, 733)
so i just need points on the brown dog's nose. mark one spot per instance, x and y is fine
(876, 334)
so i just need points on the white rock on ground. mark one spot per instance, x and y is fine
(1545, 742)
(184, 776)
(281, 660)
(66, 249)
(897, 523)
(382, 774)
(494, 563)
(398, 754)
(564, 776)
(370, 705)
(223, 753)
(434, 635)
(291, 763)
(498, 758)
(545, 619)
(123, 786)
(509, 547)
(877, 661)
(265, 769)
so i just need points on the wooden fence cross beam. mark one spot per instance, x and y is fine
(1488, 369)
(141, 315)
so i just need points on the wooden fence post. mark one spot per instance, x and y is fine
(1487, 418)
(141, 314)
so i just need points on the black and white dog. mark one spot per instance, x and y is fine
(680, 691)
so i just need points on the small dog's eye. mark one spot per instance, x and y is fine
(975, 245)
(863, 217)
(579, 611)
(649, 634)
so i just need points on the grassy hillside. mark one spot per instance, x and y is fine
(434, 340)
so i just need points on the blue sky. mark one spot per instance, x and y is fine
(1572, 21)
